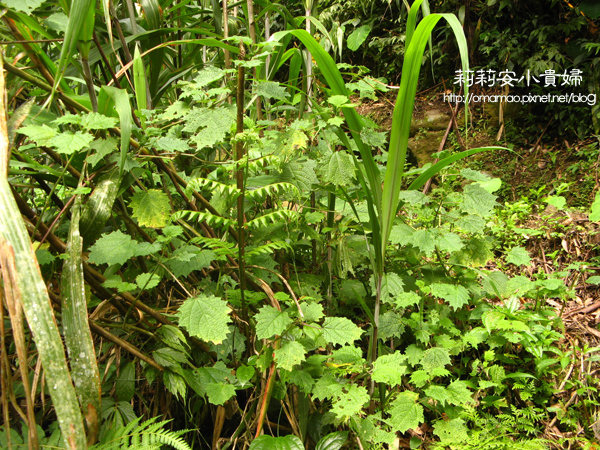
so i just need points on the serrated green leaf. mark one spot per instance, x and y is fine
(289, 354)
(266, 442)
(338, 100)
(97, 121)
(125, 383)
(449, 242)
(401, 234)
(151, 208)
(40, 134)
(271, 322)
(339, 169)
(424, 240)
(476, 200)
(171, 144)
(205, 317)
(453, 430)
(26, 6)
(340, 331)
(456, 296)
(406, 299)
(147, 280)
(558, 201)
(175, 384)
(518, 256)
(420, 378)
(68, 143)
(358, 36)
(350, 402)
(406, 413)
(312, 311)
(436, 357)
(389, 369)
(219, 393)
(102, 148)
(113, 248)
(271, 89)
(119, 285)
(595, 209)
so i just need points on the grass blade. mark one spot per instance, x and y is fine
(76, 329)
(403, 112)
(31, 290)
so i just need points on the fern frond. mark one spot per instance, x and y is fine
(261, 193)
(268, 248)
(203, 216)
(198, 184)
(221, 248)
(150, 435)
(284, 215)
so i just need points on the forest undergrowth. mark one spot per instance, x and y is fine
(213, 236)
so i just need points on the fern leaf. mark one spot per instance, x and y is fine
(203, 216)
(200, 183)
(283, 215)
(261, 193)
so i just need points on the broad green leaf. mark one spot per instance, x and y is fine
(477, 200)
(189, 258)
(595, 209)
(97, 121)
(205, 317)
(271, 322)
(312, 311)
(456, 296)
(518, 256)
(358, 36)
(289, 354)
(68, 143)
(209, 74)
(119, 285)
(271, 89)
(125, 383)
(340, 331)
(102, 148)
(434, 358)
(332, 441)
(424, 240)
(390, 325)
(406, 413)
(593, 279)
(449, 242)
(266, 442)
(392, 287)
(171, 144)
(219, 393)
(401, 234)
(151, 208)
(558, 201)
(338, 100)
(175, 384)
(350, 402)
(147, 280)
(113, 248)
(40, 134)
(453, 430)
(338, 169)
(26, 6)
(389, 369)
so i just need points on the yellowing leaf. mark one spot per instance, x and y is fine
(151, 208)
